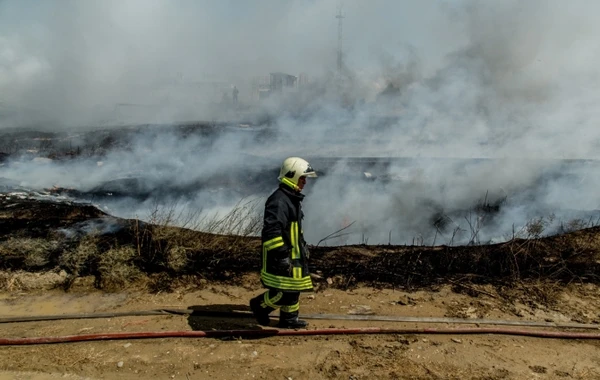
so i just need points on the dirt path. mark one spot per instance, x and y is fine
(319, 357)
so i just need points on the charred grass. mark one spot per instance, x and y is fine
(41, 236)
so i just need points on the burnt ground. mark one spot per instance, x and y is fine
(58, 256)
(165, 251)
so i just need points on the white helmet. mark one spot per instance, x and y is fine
(292, 169)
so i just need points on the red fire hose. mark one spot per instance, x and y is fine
(274, 332)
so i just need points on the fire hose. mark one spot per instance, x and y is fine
(275, 332)
(268, 332)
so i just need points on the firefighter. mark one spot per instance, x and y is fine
(284, 254)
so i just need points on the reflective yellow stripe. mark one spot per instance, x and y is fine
(286, 283)
(287, 280)
(270, 244)
(291, 308)
(276, 242)
(297, 240)
(288, 287)
(294, 238)
(297, 272)
(275, 239)
(288, 182)
(271, 302)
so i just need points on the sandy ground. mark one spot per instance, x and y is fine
(319, 357)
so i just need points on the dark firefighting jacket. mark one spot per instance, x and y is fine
(284, 252)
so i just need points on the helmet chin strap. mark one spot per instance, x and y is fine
(289, 183)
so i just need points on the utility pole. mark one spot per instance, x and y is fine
(340, 17)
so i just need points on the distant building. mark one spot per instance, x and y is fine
(281, 81)
(302, 79)
(276, 83)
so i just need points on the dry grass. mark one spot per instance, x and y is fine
(576, 225)
(77, 261)
(534, 229)
(159, 249)
(244, 219)
(198, 241)
(116, 268)
(534, 293)
(23, 280)
(177, 258)
(34, 253)
(78, 258)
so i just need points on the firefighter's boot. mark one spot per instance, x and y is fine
(260, 311)
(291, 321)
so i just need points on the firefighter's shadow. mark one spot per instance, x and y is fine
(221, 317)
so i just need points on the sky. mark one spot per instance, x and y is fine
(511, 81)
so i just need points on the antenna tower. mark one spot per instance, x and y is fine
(340, 17)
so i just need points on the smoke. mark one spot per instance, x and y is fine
(77, 63)
(478, 103)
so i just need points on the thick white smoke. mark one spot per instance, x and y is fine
(480, 104)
